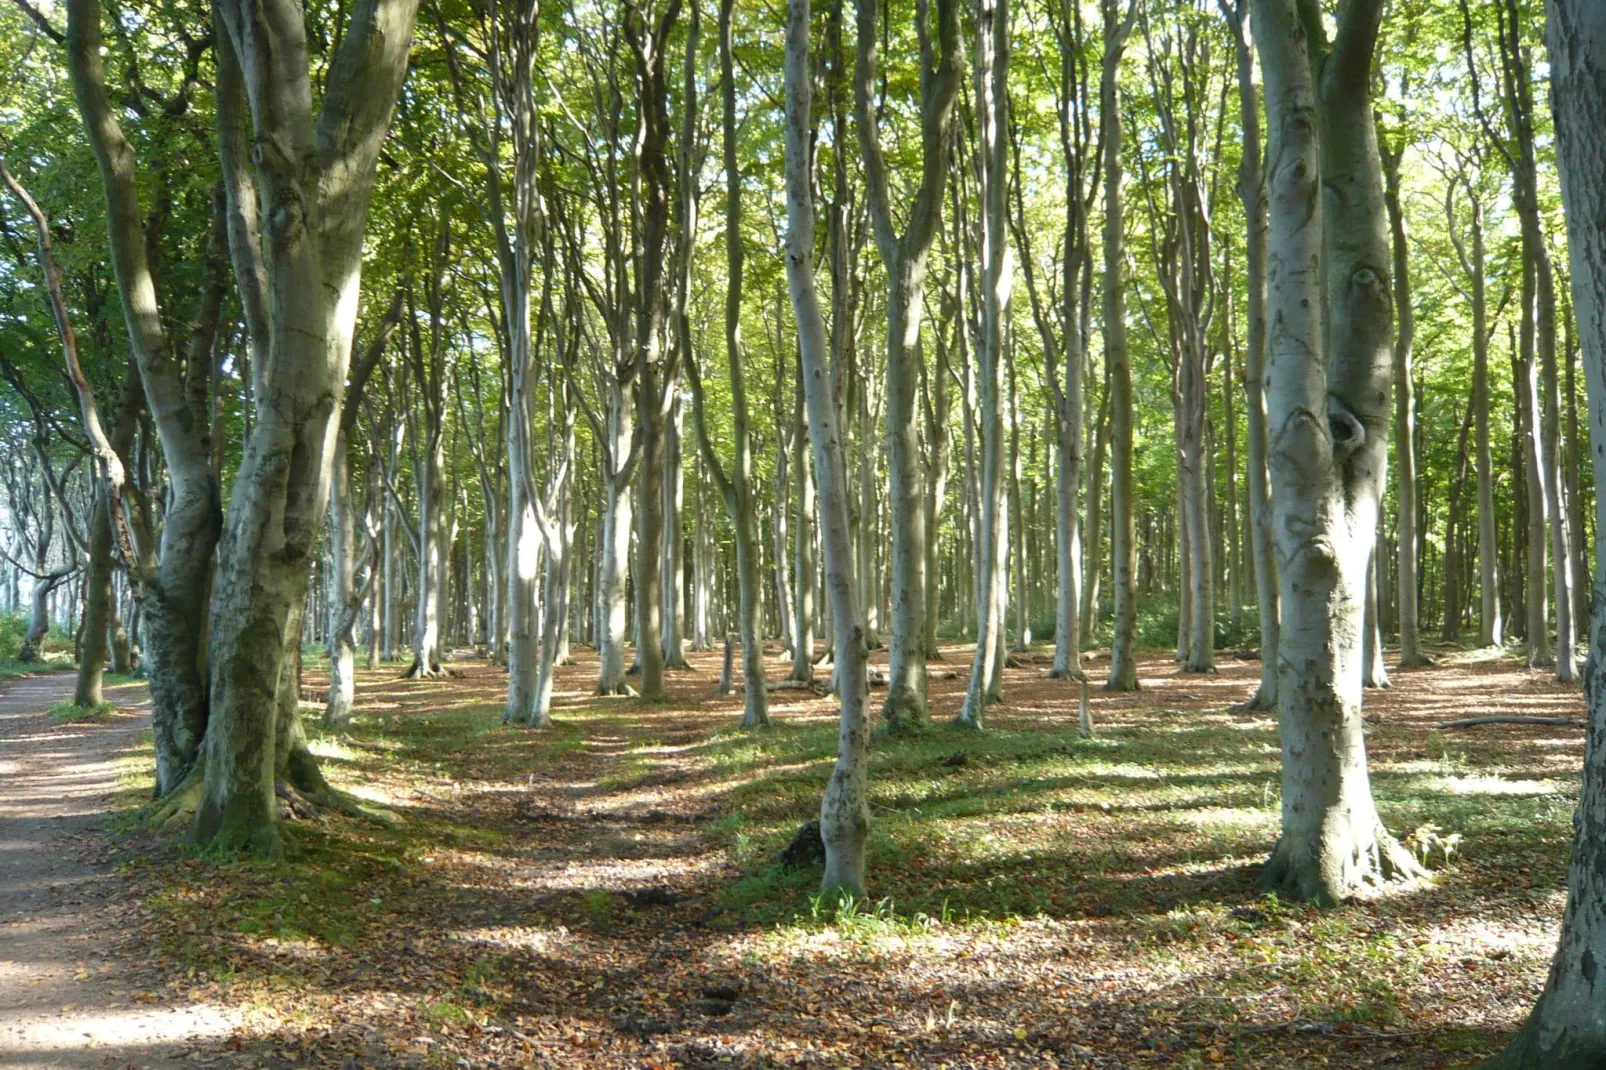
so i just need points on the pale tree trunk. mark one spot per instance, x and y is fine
(1405, 527)
(1124, 550)
(1094, 567)
(934, 395)
(1539, 507)
(311, 266)
(1567, 1030)
(905, 258)
(1252, 194)
(616, 522)
(845, 810)
(347, 594)
(992, 149)
(1328, 380)
(1491, 629)
(736, 486)
(803, 487)
(672, 632)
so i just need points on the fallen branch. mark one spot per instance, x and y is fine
(1470, 722)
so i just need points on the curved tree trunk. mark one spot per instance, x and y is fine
(844, 811)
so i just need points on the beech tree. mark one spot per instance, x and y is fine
(1329, 372)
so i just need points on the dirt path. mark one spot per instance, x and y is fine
(63, 1002)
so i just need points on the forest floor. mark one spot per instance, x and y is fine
(606, 893)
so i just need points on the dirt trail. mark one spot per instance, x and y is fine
(63, 1002)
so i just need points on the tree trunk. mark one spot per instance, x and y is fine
(1252, 194)
(1123, 648)
(845, 810)
(311, 262)
(1329, 410)
(1566, 1030)
(1405, 492)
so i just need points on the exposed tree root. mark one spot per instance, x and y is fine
(419, 671)
(620, 690)
(1295, 874)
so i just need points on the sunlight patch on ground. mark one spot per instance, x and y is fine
(1495, 785)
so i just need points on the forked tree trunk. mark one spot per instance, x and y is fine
(1328, 376)
(311, 267)
(1567, 1030)
(905, 258)
(845, 810)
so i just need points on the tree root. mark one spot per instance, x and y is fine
(620, 690)
(419, 671)
(1296, 875)
(1472, 722)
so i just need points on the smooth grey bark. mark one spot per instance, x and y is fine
(992, 150)
(1187, 276)
(845, 810)
(735, 486)
(1123, 675)
(1531, 420)
(1567, 1029)
(312, 260)
(1470, 251)
(347, 592)
(1405, 491)
(934, 400)
(1065, 337)
(1252, 195)
(1328, 381)
(904, 257)
(672, 631)
(513, 209)
(803, 579)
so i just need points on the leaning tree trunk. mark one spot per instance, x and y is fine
(98, 604)
(1329, 410)
(845, 810)
(1567, 1030)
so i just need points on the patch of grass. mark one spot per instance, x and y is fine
(72, 713)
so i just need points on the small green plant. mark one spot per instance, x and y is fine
(598, 904)
(72, 713)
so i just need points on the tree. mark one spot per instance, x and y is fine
(904, 256)
(1328, 375)
(309, 261)
(1252, 195)
(992, 126)
(1123, 549)
(1566, 1030)
(735, 487)
(845, 809)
